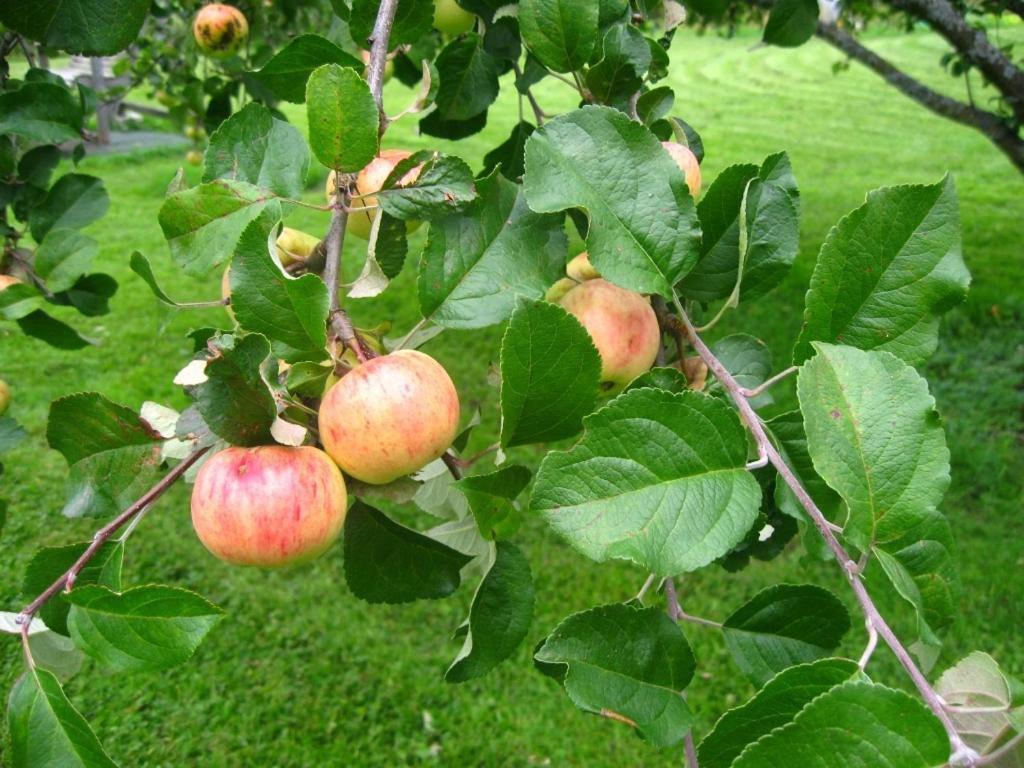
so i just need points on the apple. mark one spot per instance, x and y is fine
(294, 245)
(164, 98)
(195, 133)
(194, 157)
(370, 180)
(390, 416)
(621, 324)
(452, 19)
(579, 268)
(6, 281)
(269, 506)
(389, 66)
(688, 164)
(559, 289)
(220, 30)
(5, 396)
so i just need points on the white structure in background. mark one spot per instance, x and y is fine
(828, 11)
(98, 74)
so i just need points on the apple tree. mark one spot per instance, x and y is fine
(305, 428)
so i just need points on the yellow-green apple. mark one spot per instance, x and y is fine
(621, 324)
(271, 505)
(688, 164)
(369, 181)
(194, 157)
(6, 281)
(220, 30)
(450, 18)
(294, 245)
(390, 416)
(5, 396)
(389, 66)
(579, 268)
(559, 289)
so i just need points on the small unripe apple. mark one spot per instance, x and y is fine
(370, 180)
(295, 245)
(621, 324)
(559, 289)
(220, 30)
(8, 280)
(164, 98)
(579, 268)
(271, 505)
(688, 164)
(452, 19)
(5, 396)
(194, 157)
(195, 132)
(390, 416)
(389, 66)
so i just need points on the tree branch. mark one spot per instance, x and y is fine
(103, 535)
(960, 751)
(990, 124)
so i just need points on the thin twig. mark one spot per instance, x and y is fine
(467, 463)
(676, 613)
(751, 393)
(405, 339)
(646, 586)
(960, 751)
(870, 648)
(452, 463)
(691, 751)
(538, 113)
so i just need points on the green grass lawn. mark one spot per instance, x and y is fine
(300, 673)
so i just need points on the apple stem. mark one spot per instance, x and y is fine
(681, 324)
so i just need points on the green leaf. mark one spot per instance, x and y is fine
(343, 118)
(90, 294)
(791, 23)
(49, 563)
(41, 112)
(619, 73)
(235, 401)
(63, 257)
(669, 379)
(288, 71)
(444, 185)
(509, 155)
(89, 27)
(413, 21)
(469, 78)
(435, 125)
(477, 262)
(655, 104)
(749, 361)
(202, 224)
(598, 159)
(784, 625)
(977, 684)
(658, 479)
(255, 147)
(855, 723)
(562, 34)
(75, 201)
(550, 371)
(499, 617)
(787, 429)
(11, 433)
(140, 265)
(491, 498)
(875, 438)
(141, 629)
(886, 272)
(621, 661)
(113, 455)
(774, 706)
(292, 312)
(49, 329)
(46, 729)
(388, 563)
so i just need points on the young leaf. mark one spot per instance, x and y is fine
(292, 312)
(140, 265)
(791, 23)
(235, 400)
(562, 34)
(413, 21)
(388, 563)
(257, 148)
(64, 256)
(619, 73)
(550, 371)
(287, 73)
(49, 563)
(886, 272)
(658, 478)
(784, 625)
(46, 729)
(141, 629)
(499, 617)
(981, 699)
(774, 706)
(509, 155)
(343, 118)
(875, 437)
(855, 723)
(491, 499)
(202, 224)
(655, 104)
(627, 663)
(89, 27)
(469, 78)
(444, 186)
(598, 159)
(112, 454)
(75, 201)
(40, 112)
(479, 261)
